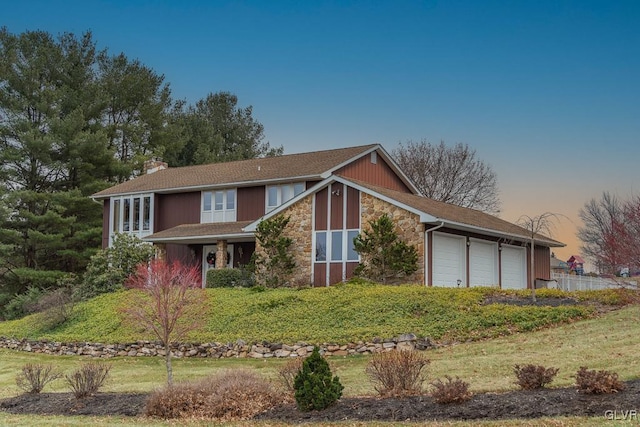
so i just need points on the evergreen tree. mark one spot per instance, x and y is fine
(315, 386)
(384, 256)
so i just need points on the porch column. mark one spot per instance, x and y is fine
(161, 251)
(221, 254)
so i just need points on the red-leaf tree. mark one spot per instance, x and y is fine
(169, 303)
(622, 243)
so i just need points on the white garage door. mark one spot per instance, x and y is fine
(483, 263)
(513, 267)
(448, 260)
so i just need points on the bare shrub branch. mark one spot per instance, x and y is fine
(34, 377)
(397, 373)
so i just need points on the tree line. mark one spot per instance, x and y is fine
(75, 119)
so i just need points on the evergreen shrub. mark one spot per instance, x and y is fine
(316, 388)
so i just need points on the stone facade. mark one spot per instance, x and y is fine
(299, 230)
(408, 227)
(238, 349)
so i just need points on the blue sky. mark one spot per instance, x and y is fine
(546, 92)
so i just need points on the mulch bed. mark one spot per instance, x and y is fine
(514, 404)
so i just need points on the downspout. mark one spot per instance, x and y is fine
(427, 250)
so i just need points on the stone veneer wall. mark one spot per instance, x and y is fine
(237, 349)
(408, 227)
(299, 230)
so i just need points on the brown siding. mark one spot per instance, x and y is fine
(377, 174)
(105, 223)
(351, 267)
(321, 209)
(337, 206)
(320, 274)
(335, 273)
(242, 253)
(542, 261)
(251, 203)
(182, 254)
(353, 208)
(176, 209)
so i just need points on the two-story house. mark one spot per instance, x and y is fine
(208, 214)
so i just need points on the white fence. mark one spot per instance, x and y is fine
(572, 282)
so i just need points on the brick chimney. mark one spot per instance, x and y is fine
(153, 165)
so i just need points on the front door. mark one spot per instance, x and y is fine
(209, 254)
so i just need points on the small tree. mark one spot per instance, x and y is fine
(275, 263)
(384, 255)
(542, 223)
(316, 387)
(170, 302)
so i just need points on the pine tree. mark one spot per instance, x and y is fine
(315, 386)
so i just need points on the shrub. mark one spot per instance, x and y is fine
(530, 377)
(288, 372)
(34, 377)
(224, 278)
(598, 382)
(275, 263)
(22, 304)
(315, 386)
(229, 395)
(385, 258)
(87, 380)
(451, 391)
(397, 373)
(109, 268)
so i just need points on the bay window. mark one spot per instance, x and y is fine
(131, 214)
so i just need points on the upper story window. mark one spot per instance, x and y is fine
(218, 206)
(131, 214)
(279, 194)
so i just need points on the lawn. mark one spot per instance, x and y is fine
(607, 342)
(339, 314)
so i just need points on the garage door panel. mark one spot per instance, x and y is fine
(513, 267)
(483, 263)
(448, 260)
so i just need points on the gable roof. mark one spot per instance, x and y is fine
(430, 211)
(458, 217)
(302, 166)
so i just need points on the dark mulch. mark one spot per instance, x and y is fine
(514, 404)
(127, 404)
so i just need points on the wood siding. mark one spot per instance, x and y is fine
(242, 253)
(337, 206)
(320, 210)
(175, 209)
(542, 260)
(320, 274)
(251, 203)
(378, 173)
(353, 208)
(105, 223)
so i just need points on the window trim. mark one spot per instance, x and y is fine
(138, 223)
(279, 190)
(215, 214)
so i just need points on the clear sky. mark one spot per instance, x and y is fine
(546, 92)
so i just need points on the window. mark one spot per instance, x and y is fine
(279, 194)
(218, 206)
(338, 241)
(132, 214)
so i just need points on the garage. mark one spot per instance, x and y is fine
(483, 263)
(448, 260)
(513, 267)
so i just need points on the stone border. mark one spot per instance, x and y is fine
(215, 350)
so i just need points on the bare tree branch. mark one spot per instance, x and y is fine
(450, 174)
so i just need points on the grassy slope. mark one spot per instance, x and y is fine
(608, 342)
(336, 314)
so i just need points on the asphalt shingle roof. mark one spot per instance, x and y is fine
(303, 165)
(457, 214)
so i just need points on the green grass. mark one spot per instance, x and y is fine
(343, 313)
(608, 342)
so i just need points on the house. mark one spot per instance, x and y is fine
(208, 214)
(576, 265)
(558, 266)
